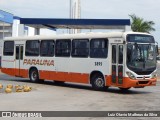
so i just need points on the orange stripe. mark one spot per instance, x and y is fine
(76, 77)
(15, 72)
(64, 76)
(8, 71)
(50, 75)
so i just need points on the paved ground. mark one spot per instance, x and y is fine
(75, 97)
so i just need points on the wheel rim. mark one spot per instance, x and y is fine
(34, 75)
(99, 82)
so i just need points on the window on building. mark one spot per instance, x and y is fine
(63, 48)
(47, 48)
(8, 48)
(99, 48)
(80, 48)
(32, 48)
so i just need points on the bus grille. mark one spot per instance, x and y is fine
(143, 82)
(144, 73)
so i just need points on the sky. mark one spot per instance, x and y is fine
(96, 9)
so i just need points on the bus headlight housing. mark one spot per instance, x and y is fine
(154, 75)
(130, 75)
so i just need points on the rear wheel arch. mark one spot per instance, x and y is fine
(33, 67)
(97, 80)
(97, 73)
(34, 71)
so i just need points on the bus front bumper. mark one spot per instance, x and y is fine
(138, 83)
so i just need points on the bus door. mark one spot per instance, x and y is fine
(117, 64)
(19, 59)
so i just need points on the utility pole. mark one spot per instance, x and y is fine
(75, 13)
(70, 14)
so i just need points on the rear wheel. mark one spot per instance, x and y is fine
(97, 82)
(33, 75)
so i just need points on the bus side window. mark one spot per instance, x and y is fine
(114, 52)
(120, 61)
(8, 48)
(80, 48)
(99, 48)
(63, 48)
(32, 48)
(47, 48)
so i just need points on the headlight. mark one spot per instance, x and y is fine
(130, 75)
(154, 75)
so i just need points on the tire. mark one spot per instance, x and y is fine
(33, 75)
(97, 82)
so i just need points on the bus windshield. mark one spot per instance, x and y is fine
(141, 57)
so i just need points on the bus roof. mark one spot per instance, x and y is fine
(73, 36)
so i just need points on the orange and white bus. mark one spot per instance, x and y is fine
(119, 59)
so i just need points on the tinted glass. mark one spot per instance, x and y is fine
(99, 48)
(17, 52)
(80, 48)
(32, 48)
(47, 48)
(63, 48)
(8, 48)
(113, 53)
(120, 61)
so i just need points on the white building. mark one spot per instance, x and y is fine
(10, 26)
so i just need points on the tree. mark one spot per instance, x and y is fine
(139, 25)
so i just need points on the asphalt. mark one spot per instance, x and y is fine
(77, 97)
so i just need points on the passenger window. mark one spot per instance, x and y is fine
(99, 48)
(8, 48)
(114, 52)
(120, 61)
(63, 48)
(47, 48)
(32, 48)
(80, 48)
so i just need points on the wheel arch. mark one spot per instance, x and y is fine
(31, 68)
(96, 72)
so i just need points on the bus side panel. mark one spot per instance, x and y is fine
(80, 77)
(53, 75)
(108, 79)
(9, 71)
(44, 74)
(23, 73)
(81, 68)
(13, 71)
(64, 76)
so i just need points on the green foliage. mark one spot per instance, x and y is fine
(139, 25)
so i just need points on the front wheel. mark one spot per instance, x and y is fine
(33, 75)
(97, 82)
